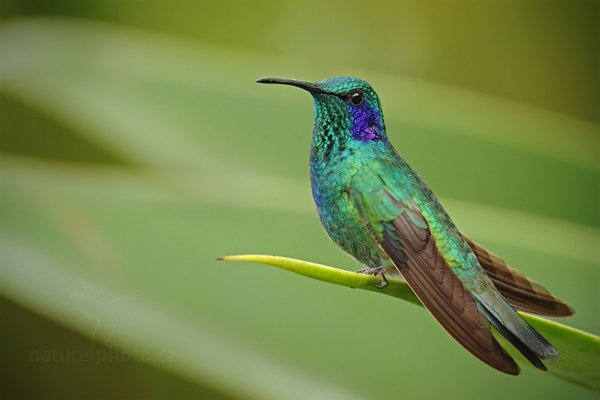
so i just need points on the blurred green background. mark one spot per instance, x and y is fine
(135, 147)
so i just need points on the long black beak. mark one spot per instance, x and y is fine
(309, 86)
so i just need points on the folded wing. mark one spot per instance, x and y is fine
(407, 240)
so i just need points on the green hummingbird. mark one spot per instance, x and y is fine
(377, 209)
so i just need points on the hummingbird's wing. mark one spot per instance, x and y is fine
(520, 291)
(404, 235)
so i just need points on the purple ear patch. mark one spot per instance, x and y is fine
(366, 124)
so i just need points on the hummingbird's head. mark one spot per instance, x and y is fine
(346, 109)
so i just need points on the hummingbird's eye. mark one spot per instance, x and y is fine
(356, 98)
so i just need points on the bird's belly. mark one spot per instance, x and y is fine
(345, 227)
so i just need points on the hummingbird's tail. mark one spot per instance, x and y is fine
(520, 291)
(516, 330)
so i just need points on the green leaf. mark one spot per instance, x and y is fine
(579, 351)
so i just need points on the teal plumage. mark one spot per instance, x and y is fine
(377, 209)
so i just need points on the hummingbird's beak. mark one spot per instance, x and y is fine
(308, 86)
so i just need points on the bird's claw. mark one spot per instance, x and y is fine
(375, 272)
(384, 281)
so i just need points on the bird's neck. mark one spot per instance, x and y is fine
(344, 138)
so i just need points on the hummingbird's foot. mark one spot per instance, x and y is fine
(375, 272)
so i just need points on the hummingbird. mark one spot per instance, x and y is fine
(375, 207)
